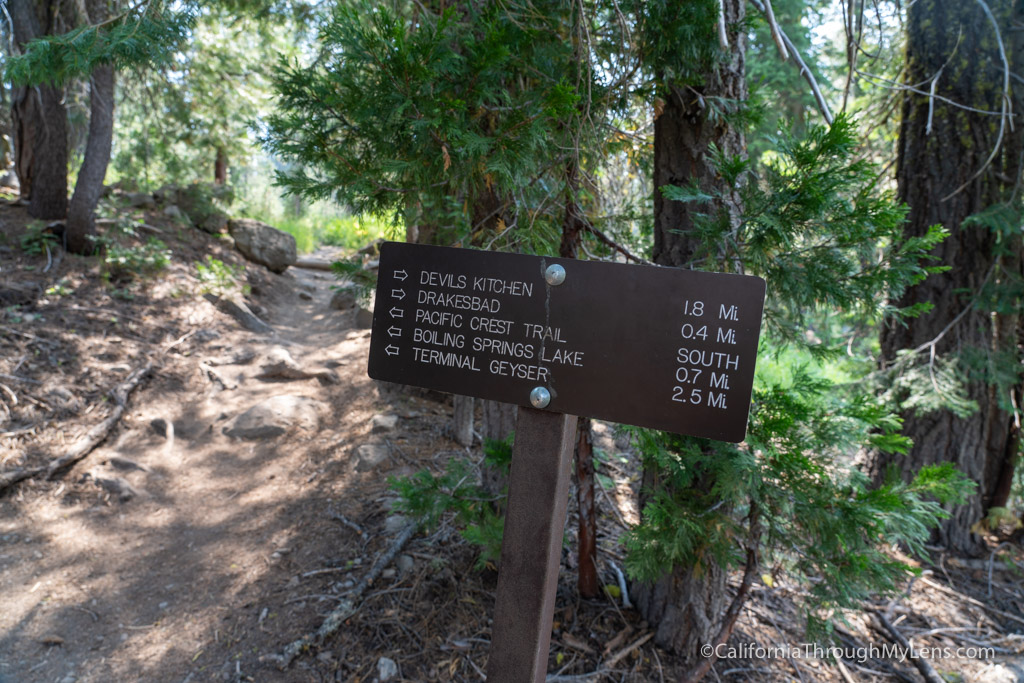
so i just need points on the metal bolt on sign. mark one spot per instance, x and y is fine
(554, 275)
(540, 397)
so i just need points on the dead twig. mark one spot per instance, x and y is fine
(333, 514)
(349, 605)
(617, 657)
(926, 669)
(808, 75)
(972, 601)
(15, 378)
(179, 340)
(97, 434)
(609, 242)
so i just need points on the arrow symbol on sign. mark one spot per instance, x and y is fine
(391, 350)
(398, 294)
(397, 312)
(403, 273)
(395, 331)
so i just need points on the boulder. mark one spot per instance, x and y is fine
(275, 416)
(343, 299)
(140, 200)
(215, 222)
(263, 244)
(199, 201)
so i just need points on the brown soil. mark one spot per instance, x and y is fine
(187, 555)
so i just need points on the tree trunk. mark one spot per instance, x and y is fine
(6, 132)
(588, 585)
(941, 149)
(587, 580)
(499, 421)
(220, 167)
(686, 605)
(40, 128)
(462, 419)
(81, 220)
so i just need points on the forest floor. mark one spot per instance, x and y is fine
(185, 553)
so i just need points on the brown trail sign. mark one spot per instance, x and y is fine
(657, 347)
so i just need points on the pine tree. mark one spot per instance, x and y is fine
(695, 89)
(80, 41)
(970, 314)
(813, 224)
(39, 121)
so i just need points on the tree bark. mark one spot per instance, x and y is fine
(499, 421)
(587, 581)
(40, 127)
(686, 605)
(81, 219)
(220, 167)
(462, 419)
(941, 149)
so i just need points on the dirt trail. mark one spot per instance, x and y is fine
(163, 585)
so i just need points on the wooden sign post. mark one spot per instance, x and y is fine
(531, 547)
(656, 347)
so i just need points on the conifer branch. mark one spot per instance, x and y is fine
(607, 241)
(804, 69)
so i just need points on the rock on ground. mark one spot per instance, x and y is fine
(143, 200)
(364, 318)
(343, 299)
(386, 669)
(263, 244)
(383, 423)
(276, 415)
(371, 456)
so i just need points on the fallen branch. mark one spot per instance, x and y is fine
(95, 436)
(12, 477)
(926, 669)
(239, 312)
(970, 600)
(313, 264)
(349, 605)
(615, 658)
(85, 445)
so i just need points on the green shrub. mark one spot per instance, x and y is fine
(122, 262)
(37, 239)
(427, 497)
(219, 278)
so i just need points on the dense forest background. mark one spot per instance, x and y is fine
(865, 159)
